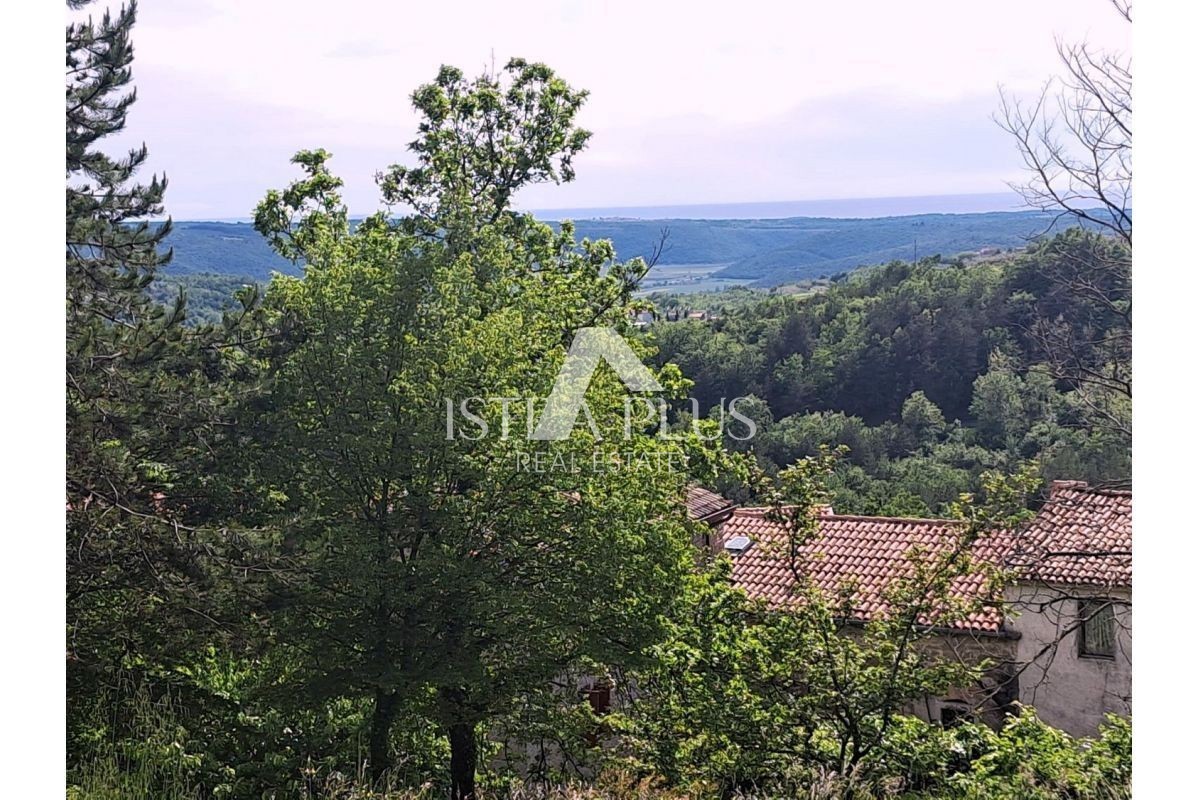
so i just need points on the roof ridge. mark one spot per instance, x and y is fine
(1083, 486)
(932, 520)
(760, 510)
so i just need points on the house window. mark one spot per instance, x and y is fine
(1097, 629)
(954, 714)
(600, 698)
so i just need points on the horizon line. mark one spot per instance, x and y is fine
(835, 207)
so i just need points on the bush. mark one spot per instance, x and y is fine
(1029, 760)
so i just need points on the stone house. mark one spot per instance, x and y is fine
(1058, 635)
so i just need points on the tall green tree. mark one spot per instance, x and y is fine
(443, 567)
(116, 338)
(145, 399)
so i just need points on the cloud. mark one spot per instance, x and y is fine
(866, 144)
(222, 153)
(779, 101)
(364, 48)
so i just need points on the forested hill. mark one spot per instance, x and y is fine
(224, 248)
(770, 252)
(930, 373)
(767, 251)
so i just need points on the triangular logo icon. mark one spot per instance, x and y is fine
(590, 347)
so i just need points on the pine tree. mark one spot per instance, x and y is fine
(109, 261)
(113, 329)
(145, 395)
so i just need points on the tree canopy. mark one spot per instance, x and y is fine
(431, 570)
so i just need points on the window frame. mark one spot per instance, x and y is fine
(1096, 610)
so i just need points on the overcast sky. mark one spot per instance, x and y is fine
(691, 102)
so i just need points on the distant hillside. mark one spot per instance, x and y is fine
(208, 294)
(224, 248)
(823, 247)
(767, 252)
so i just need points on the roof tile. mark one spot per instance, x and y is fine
(867, 554)
(1082, 535)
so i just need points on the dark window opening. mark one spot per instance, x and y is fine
(1008, 693)
(1097, 629)
(954, 714)
(600, 698)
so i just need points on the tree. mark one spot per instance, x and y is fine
(1076, 313)
(1076, 143)
(437, 567)
(745, 696)
(1076, 140)
(922, 417)
(144, 399)
(116, 338)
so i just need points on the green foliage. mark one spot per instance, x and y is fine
(210, 296)
(431, 573)
(930, 374)
(866, 344)
(922, 418)
(155, 761)
(1029, 760)
(1024, 760)
(286, 579)
(481, 140)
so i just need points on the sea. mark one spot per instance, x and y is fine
(842, 208)
(846, 208)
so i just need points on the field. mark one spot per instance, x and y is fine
(687, 278)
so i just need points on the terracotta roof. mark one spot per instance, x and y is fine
(866, 553)
(706, 506)
(1082, 535)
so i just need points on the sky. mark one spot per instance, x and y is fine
(690, 102)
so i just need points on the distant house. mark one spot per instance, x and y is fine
(1059, 641)
(644, 319)
(710, 508)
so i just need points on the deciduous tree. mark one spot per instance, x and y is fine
(442, 564)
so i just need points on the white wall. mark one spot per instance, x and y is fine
(1069, 691)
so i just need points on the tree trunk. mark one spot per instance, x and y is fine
(462, 761)
(381, 729)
